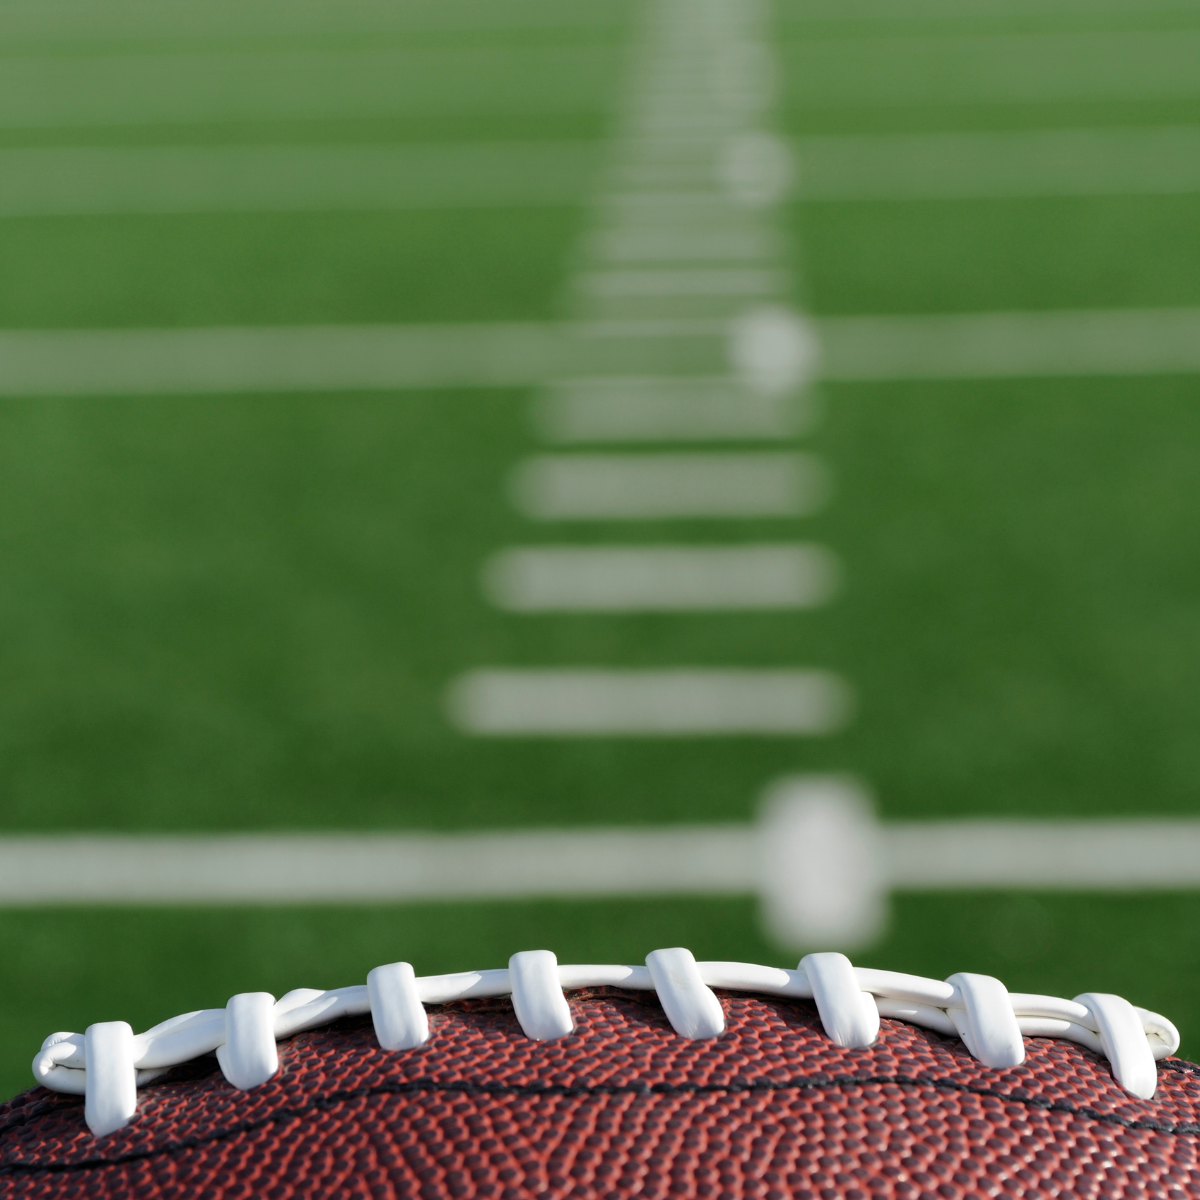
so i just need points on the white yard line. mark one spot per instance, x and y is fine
(661, 486)
(687, 236)
(65, 181)
(680, 702)
(1111, 855)
(695, 210)
(370, 867)
(656, 245)
(817, 857)
(1097, 855)
(693, 186)
(683, 409)
(105, 362)
(278, 359)
(695, 281)
(189, 179)
(676, 226)
(1014, 344)
(537, 579)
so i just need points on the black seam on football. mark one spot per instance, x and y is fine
(418, 1086)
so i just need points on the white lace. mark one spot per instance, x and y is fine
(109, 1062)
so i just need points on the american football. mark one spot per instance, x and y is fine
(600, 475)
(713, 1079)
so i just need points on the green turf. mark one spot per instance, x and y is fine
(242, 612)
(950, 67)
(987, 255)
(462, 265)
(1022, 627)
(285, 83)
(269, 596)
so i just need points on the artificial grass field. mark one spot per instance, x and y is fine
(241, 612)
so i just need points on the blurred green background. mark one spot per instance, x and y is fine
(240, 612)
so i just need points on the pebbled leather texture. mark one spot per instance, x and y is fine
(625, 1107)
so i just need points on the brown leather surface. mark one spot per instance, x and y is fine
(624, 1107)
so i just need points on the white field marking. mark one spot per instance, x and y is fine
(667, 409)
(1010, 345)
(688, 119)
(658, 486)
(1102, 855)
(299, 85)
(345, 357)
(295, 358)
(371, 867)
(301, 358)
(665, 174)
(75, 180)
(684, 122)
(190, 179)
(673, 209)
(773, 350)
(1058, 162)
(1107, 855)
(728, 281)
(677, 702)
(694, 306)
(662, 245)
(537, 579)
(833, 863)
(757, 168)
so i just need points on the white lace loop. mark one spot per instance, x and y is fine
(109, 1063)
(986, 1021)
(691, 1007)
(249, 1056)
(110, 1096)
(537, 996)
(1124, 1040)
(849, 1015)
(397, 1013)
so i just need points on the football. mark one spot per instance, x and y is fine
(676, 1079)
